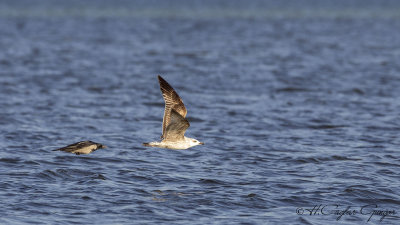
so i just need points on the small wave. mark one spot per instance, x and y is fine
(292, 89)
(326, 126)
(10, 160)
(48, 175)
(324, 159)
(211, 181)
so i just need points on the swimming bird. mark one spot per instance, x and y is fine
(82, 147)
(174, 122)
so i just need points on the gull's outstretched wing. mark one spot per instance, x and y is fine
(172, 102)
(177, 127)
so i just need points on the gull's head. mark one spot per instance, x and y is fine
(194, 142)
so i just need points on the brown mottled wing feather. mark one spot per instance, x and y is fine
(172, 102)
(73, 147)
(177, 127)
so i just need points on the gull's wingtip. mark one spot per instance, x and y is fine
(161, 80)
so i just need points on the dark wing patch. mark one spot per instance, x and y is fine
(177, 127)
(172, 102)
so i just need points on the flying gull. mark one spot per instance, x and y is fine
(82, 147)
(174, 122)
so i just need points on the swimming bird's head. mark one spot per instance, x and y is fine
(101, 146)
(194, 142)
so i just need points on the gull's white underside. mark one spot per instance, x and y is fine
(180, 145)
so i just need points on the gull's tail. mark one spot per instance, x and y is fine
(146, 144)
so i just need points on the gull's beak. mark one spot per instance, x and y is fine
(201, 143)
(103, 146)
